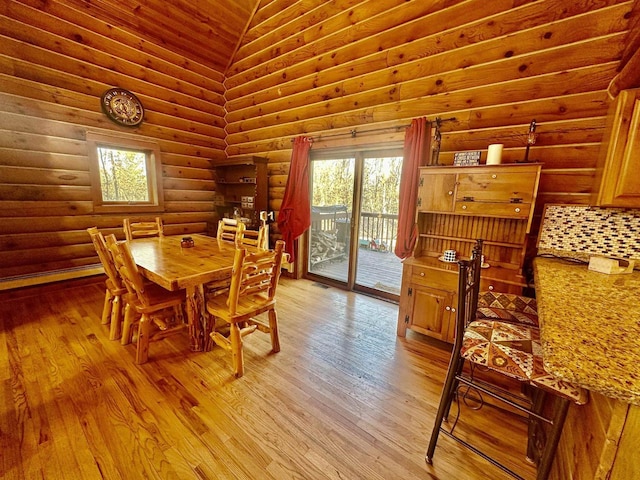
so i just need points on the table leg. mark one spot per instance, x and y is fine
(199, 324)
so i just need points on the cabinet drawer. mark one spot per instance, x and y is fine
(491, 285)
(508, 210)
(430, 277)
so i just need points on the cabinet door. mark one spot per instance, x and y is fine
(436, 192)
(500, 193)
(431, 312)
(620, 182)
(497, 187)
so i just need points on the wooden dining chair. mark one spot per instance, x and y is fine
(112, 311)
(142, 229)
(155, 311)
(230, 230)
(504, 349)
(256, 238)
(252, 292)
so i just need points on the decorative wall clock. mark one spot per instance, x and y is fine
(123, 107)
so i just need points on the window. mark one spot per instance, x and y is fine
(125, 174)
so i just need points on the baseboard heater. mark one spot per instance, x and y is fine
(48, 277)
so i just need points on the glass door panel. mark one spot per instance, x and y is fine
(332, 187)
(377, 267)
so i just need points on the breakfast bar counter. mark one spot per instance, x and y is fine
(590, 327)
(590, 335)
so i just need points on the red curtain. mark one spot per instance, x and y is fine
(417, 142)
(295, 213)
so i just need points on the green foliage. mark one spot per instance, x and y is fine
(123, 175)
(381, 185)
(333, 183)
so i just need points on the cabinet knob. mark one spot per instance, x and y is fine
(453, 309)
(448, 309)
(422, 274)
(494, 176)
(464, 207)
(450, 192)
(517, 209)
(490, 287)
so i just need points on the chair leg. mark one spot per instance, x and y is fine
(273, 330)
(236, 350)
(127, 333)
(107, 308)
(116, 318)
(448, 393)
(560, 409)
(142, 347)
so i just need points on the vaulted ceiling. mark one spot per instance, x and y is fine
(205, 31)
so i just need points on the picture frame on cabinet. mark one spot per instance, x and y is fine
(463, 159)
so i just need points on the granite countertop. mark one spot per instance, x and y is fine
(590, 327)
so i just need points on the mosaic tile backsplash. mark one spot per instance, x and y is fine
(585, 230)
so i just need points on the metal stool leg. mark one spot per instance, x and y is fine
(560, 409)
(448, 393)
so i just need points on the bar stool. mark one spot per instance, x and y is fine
(508, 349)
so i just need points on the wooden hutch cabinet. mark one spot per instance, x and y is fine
(456, 206)
(617, 180)
(242, 184)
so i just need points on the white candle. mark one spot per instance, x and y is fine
(494, 155)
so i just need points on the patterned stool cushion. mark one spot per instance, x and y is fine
(515, 351)
(507, 307)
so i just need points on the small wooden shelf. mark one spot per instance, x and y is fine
(233, 190)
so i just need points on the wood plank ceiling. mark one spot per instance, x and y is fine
(204, 31)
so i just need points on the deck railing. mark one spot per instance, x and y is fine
(378, 231)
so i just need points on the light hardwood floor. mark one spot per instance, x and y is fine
(344, 399)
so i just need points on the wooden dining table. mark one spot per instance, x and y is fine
(164, 261)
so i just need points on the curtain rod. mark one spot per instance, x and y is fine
(353, 133)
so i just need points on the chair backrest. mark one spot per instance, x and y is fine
(257, 238)
(230, 230)
(142, 229)
(127, 268)
(253, 238)
(255, 275)
(106, 258)
(468, 291)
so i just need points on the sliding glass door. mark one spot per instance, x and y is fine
(354, 221)
(332, 187)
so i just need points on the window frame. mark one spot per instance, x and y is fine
(154, 173)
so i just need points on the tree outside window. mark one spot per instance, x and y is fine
(125, 174)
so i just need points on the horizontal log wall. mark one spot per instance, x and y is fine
(321, 68)
(304, 67)
(56, 59)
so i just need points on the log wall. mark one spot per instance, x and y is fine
(55, 62)
(320, 68)
(303, 67)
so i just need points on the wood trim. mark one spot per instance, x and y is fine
(50, 277)
(629, 76)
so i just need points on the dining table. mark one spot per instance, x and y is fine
(176, 263)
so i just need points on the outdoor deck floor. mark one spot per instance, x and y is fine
(378, 270)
